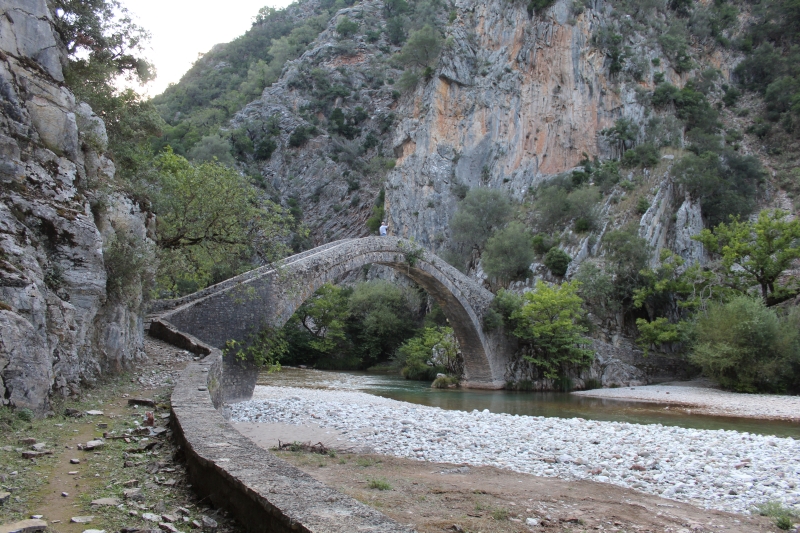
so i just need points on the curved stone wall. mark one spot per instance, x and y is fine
(264, 493)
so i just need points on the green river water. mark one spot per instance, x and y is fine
(551, 404)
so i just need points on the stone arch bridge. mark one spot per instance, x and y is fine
(268, 296)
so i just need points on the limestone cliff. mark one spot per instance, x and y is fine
(59, 214)
(515, 99)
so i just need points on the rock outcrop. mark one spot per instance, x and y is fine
(59, 328)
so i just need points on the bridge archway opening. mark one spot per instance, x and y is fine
(460, 318)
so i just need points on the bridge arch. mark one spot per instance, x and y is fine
(269, 296)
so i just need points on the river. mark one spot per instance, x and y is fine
(549, 404)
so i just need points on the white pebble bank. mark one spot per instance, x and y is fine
(718, 469)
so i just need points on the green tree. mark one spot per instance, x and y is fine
(324, 316)
(555, 205)
(548, 320)
(396, 30)
(627, 255)
(207, 214)
(755, 253)
(433, 351)
(725, 185)
(382, 316)
(422, 48)
(623, 134)
(597, 289)
(393, 8)
(479, 215)
(212, 148)
(347, 28)
(508, 252)
(749, 347)
(101, 40)
(557, 261)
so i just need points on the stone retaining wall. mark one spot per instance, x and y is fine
(264, 493)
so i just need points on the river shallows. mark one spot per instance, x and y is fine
(549, 404)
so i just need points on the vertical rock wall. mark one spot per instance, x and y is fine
(58, 328)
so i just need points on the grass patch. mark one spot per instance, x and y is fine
(784, 517)
(500, 514)
(379, 484)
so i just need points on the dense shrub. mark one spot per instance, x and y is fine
(347, 28)
(642, 205)
(382, 317)
(508, 252)
(725, 185)
(433, 351)
(542, 243)
(374, 222)
(555, 206)
(479, 215)
(130, 268)
(301, 135)
(212, 148)
(536, 6)
(627, 255)
(749, 347)
(557, 261)
(351, 328)
(644, 155)
(548, 322)
(597, 290)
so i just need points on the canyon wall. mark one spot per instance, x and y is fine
(59, 215)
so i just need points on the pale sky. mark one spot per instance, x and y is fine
(181, 29)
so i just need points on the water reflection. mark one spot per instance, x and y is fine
(552, 404)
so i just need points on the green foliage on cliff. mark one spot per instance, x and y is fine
(231, 75)
(557, 261)
(419, 55)
(101, 40)
(481, 213)
(756, 253)
(210, 216)
(508, 253)
(772, 68)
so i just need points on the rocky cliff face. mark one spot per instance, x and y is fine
(514, 100)
(58, 215)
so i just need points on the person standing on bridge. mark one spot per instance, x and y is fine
(383, 229)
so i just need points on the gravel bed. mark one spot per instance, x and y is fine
(725, 470)
(709, 401)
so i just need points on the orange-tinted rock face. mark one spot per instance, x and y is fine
(516, 100)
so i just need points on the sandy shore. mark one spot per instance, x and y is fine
(699, 397)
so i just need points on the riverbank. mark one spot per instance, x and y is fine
(440, 497)
(700, 397)
(723, 470)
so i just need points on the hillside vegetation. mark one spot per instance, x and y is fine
(304, 113)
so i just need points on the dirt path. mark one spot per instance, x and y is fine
(58, 488)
